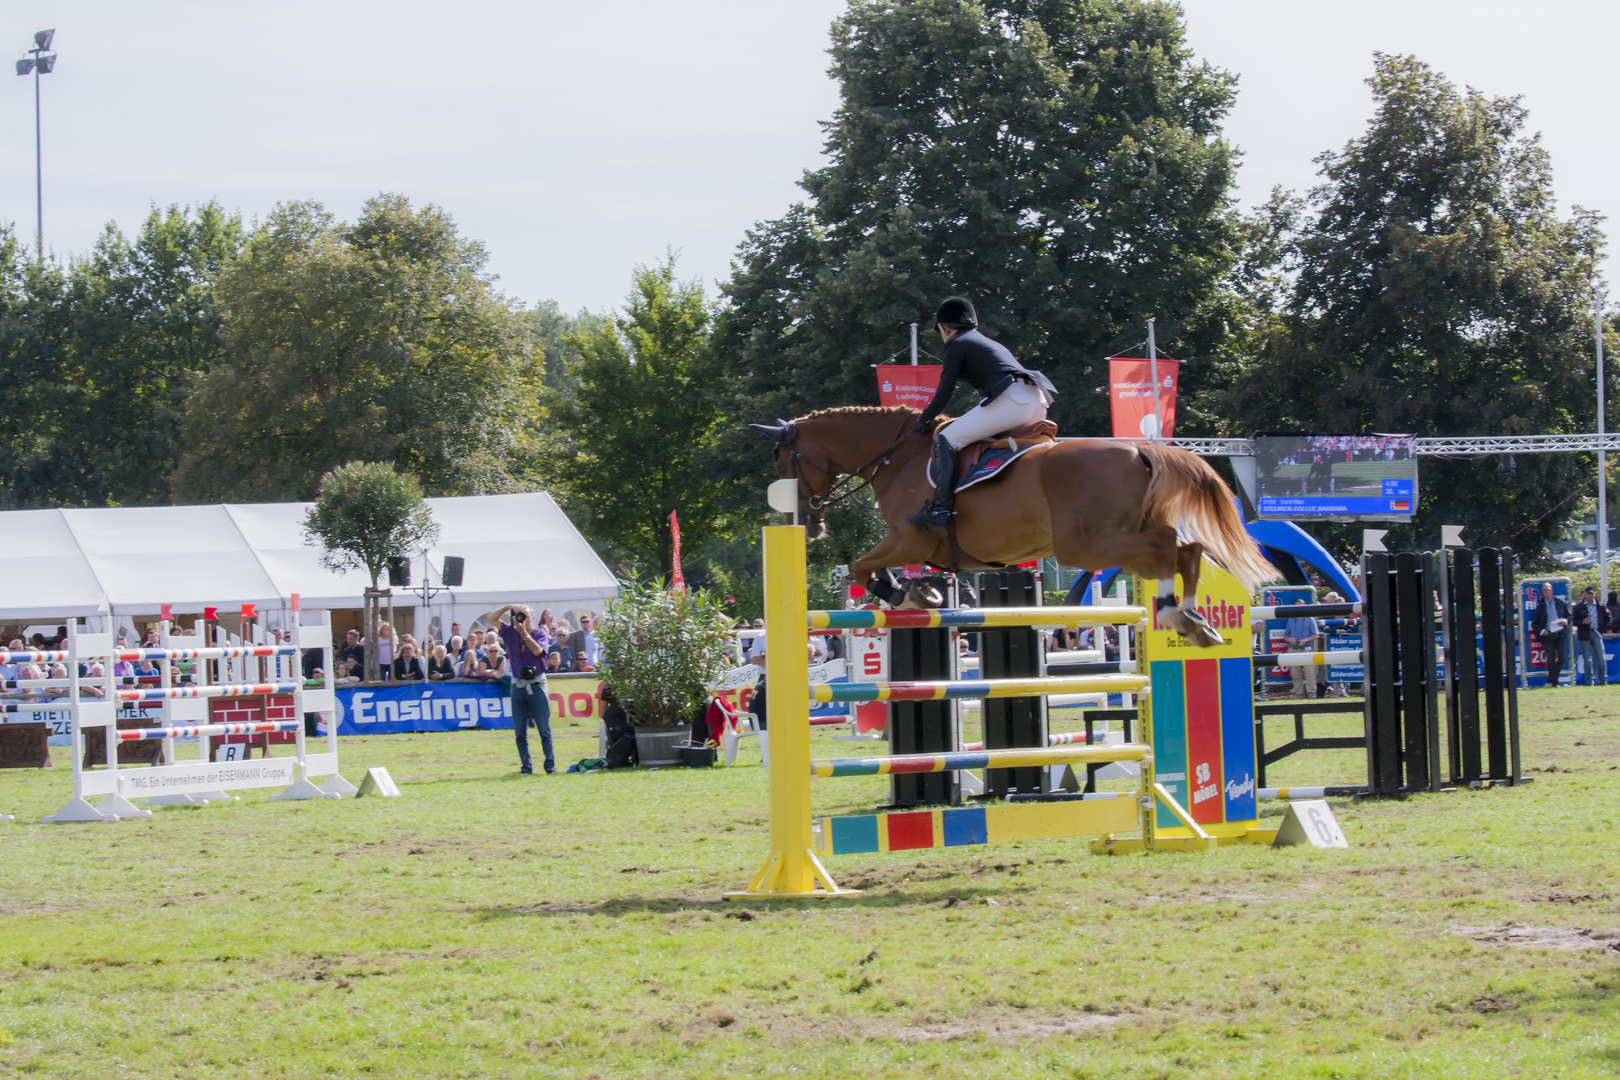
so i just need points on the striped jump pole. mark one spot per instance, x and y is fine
(219, 652)
(1067, 738)
(1330, 791)
(1303, 611)
(1304, 659)
(971, 618)
(978, 688)
(171, 693)
(977, 759)
(36, 706)
(196, 731)
(1095, 667)
(34, 656)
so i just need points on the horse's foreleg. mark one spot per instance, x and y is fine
(895, 549)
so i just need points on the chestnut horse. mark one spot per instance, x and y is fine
(1093, 503)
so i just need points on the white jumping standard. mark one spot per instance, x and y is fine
(243, 669)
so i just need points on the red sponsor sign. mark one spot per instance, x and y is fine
(677, 579)
(1131, 390)
(907, 384)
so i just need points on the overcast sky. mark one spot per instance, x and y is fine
(576, 140)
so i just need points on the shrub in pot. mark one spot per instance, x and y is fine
(662, 652)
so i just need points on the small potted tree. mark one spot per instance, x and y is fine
(662, 653)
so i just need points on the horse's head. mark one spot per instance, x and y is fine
(799, 459)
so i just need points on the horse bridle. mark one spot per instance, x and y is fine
(841, 488)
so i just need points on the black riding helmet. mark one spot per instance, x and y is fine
(956, 311)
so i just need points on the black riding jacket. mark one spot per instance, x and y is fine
(986, 365)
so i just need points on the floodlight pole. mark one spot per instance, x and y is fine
(1153, 375)
(1602, 457)
(913, 344)
(39, 177)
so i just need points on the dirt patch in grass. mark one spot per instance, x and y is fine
(1525, 936)
(996, 1026)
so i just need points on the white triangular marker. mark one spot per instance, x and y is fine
(1310, 821)
(377, 782)
(1373, 539)
(1451, 535)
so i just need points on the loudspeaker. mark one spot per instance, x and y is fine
(399, 573)
(453, 566)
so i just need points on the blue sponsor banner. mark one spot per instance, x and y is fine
(1237, 738)
(445, 706)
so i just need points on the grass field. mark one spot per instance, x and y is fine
(491, 925)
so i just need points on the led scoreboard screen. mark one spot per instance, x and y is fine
(1337, 477)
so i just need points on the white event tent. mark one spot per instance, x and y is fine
(117, 567)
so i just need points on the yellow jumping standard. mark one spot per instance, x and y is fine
(791, 869)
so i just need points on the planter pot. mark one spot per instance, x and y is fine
(655, 746)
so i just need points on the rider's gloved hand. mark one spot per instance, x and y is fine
(920, 427)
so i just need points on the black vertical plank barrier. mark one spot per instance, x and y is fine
(1429, 592)
(1381, 715)
(1012, 652)
(1411, 624)
(1510, 597)
(1464, 630)
(1494, 668)
(921, 727)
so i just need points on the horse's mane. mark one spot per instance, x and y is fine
(859, 410)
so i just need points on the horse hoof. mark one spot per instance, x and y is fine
(1205, 637)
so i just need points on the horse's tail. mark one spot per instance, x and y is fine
(1187, 493)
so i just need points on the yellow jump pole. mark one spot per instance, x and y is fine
(792, 869)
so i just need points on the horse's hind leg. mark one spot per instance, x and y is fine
(1157, 553)
(1189, 560)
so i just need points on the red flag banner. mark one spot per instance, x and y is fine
(907, 384)
(677, 579)
(166, 612)
(211, 614)
(294, 606)
(250, 611)
(1131, 390)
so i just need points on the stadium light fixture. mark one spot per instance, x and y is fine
(40, 61)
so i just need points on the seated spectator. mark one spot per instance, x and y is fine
(565, 658)
(151, 641)
(148, 669)
(58, 671)
(582, 662)
(470, 666)
(439, 666)
(494, 661)
(553, 662)
(408, 666)
(350, 670)
(124, 669)
(94, 689)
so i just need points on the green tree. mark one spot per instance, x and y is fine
(552, 330)
(381, 340)
(125, 330)
(1057, 161)
(1436, 291)
(33, 318)
(642, 405)
(365, 515)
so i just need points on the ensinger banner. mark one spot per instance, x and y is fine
(1131, 390)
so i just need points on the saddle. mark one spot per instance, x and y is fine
(980, 461)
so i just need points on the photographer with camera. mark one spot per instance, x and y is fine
(526, 645)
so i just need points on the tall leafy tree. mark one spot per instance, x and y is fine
(1436, 290)
(125, 331)
(33, 316)
(642, 405)
(1059, 162)
(381, 340)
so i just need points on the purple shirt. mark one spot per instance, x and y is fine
(517, 656)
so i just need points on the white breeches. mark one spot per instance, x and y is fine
(1018, 405)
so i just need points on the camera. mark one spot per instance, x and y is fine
(520, 616)
(527, 674)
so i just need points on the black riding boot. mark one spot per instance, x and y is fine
(937, 514)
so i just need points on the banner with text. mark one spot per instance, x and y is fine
(451, 706)
(1131, 390)
(907, 384)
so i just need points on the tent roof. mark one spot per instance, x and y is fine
(74, 563)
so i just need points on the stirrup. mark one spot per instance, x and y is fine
(932, 517)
